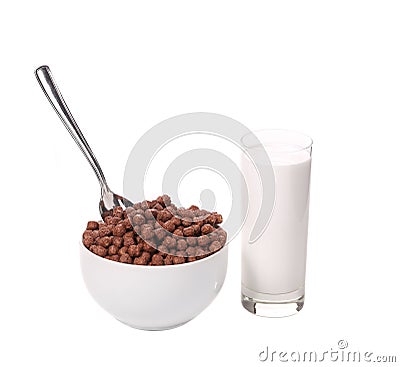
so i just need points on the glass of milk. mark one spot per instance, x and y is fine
(274, 266)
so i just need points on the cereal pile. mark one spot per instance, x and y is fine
(155, 233)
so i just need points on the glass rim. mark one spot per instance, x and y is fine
(258, 132)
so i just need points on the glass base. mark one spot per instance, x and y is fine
(269, 305)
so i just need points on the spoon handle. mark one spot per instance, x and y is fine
(53, 94)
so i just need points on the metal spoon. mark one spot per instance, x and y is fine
(108, 199)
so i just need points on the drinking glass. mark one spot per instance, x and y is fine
(274, 266)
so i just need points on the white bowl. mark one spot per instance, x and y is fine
(154, 297)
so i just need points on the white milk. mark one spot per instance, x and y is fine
(276, 262)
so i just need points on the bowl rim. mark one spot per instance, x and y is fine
(192, 263)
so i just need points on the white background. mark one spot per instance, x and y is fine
(327, 68)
